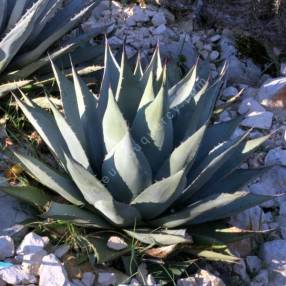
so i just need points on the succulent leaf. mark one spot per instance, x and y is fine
(138, 71)
(158, 197)
(208, 167)
(212, 208)
(216, 134)
(159, 238)
(153, 130)
(74, 145)
(70, 103)
(32, 195)
(98, 196)
(114, 126)
(127, 170)
(149, 92)
(13, 41)
(75, 215)
(129, 92)
(3, 15)
(183, 89)
(46, 126)
(16, 14)
(51, 179)
(87, 104)
(110, 78)
(185, 115)
(230, 183)
(32, 55)
(183, 156)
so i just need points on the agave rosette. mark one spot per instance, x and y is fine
(27, 29)
(142, 156)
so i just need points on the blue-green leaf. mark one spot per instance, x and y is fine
(126, 170)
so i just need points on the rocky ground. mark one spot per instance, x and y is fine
(262, 103)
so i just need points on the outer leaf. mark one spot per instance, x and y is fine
(16, 14)
(31, 68)
(159, 197)
(128, 92)
(74, 145)
(149, 92)
(70, 103)
(3, 15)
(155, 66)
(36, 53)
(218, 234)
(153, 130)
(50, 12)
(75, 215)
(183, 89)
(114, 125)
(46, 127)
(206, 170)
(204, 108)
(51, 179)
(212, 255)
(72, 7)
(138, 71)
(231, 183)
(217, 134)
(110, 78)
(7, 87)
(238, 157)
(13, 41)
(212, 208)
(97, 195)
(127, 170)
(183, 156)
(29, 194)
(87, 103)
(162, 237)
(186, 113)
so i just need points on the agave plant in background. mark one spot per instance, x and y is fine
(142, 159)
(27, 29)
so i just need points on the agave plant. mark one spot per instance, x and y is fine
(27, 29)
(142, 159)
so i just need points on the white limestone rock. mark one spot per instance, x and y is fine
(32, 262)
(260, 120)
(140, 14)
(116, 243)
(215, 38)
(15, 275)
(283, 69)
(107, 279)
(159, 19)
(160, 30)
(229, 92)
(253, 264)
(249, 105)
(32, 243)
(88, 279)
(261, 279)
(214, 55)
(6, 247)
(271, 183)
(52, 272)
(273, 254)
(276, 156)
(201, 278)
(269, 89)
